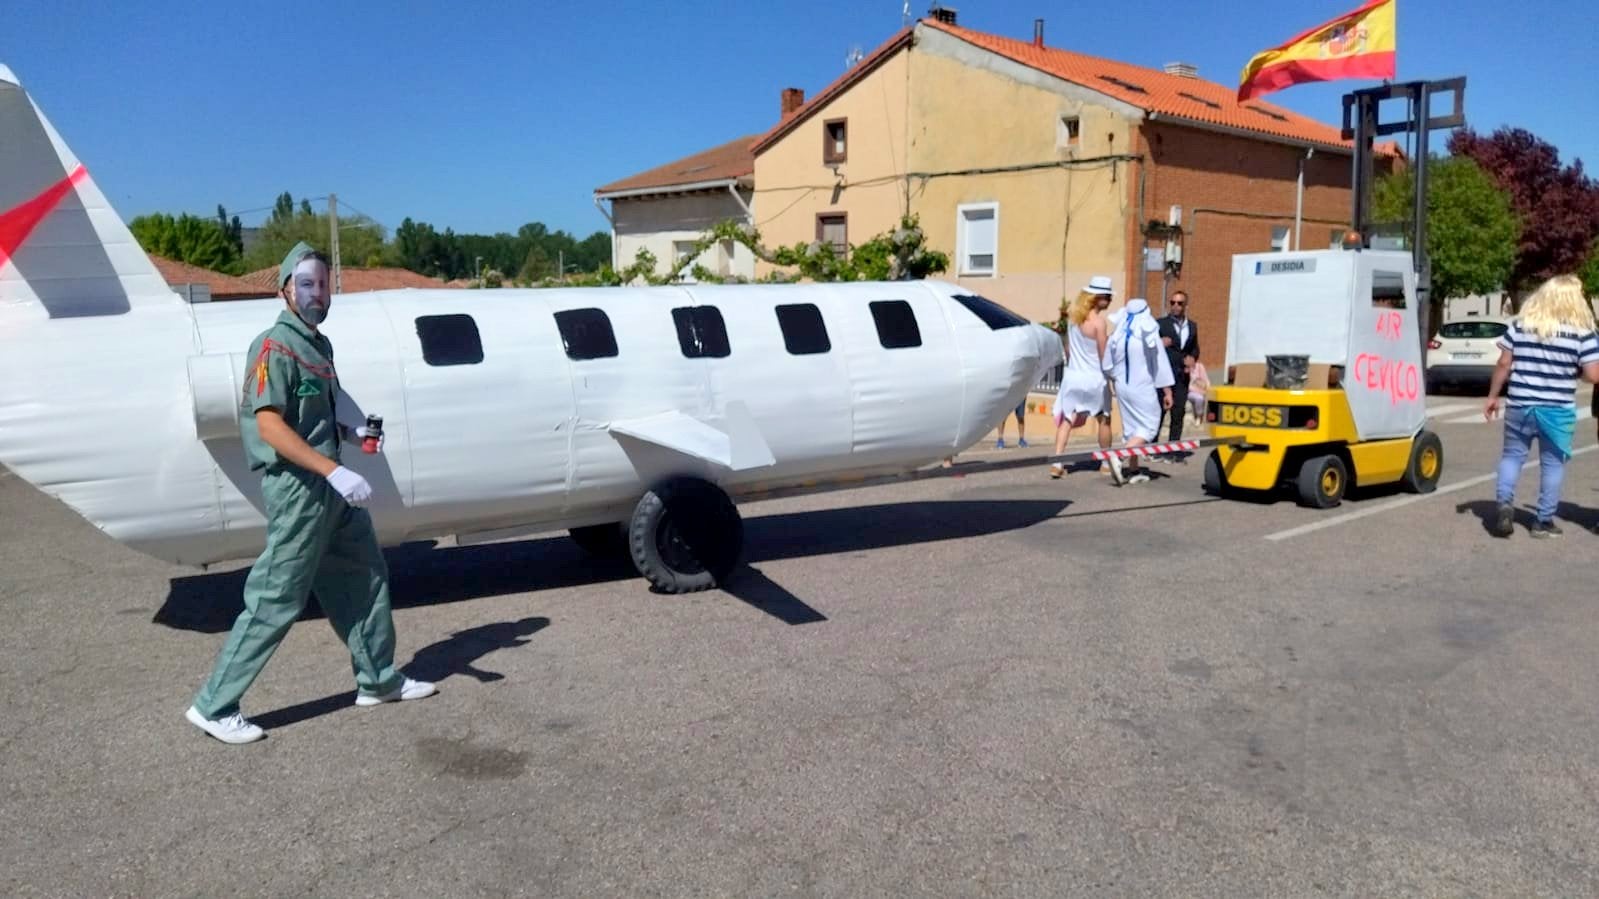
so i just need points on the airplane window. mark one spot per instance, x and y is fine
(701, 331)
(993, 314)
(449, 340)
(896, 324)
(586, 333)
(804, 332)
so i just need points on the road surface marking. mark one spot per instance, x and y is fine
(1402, 501)
(1582, 415)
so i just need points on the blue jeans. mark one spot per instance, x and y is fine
(1520, 430)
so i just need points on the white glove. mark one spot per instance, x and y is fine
(354, 488)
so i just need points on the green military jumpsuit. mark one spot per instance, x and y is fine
(315, 540)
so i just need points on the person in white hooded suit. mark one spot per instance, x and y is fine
(1135, 360)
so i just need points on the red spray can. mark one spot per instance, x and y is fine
(374, 430)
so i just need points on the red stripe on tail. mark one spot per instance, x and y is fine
(17, 223)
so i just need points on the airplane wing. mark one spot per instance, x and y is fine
(739, 448)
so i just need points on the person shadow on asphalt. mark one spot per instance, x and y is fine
(458, 653)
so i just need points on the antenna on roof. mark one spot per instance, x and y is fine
(854, 56)
(905, 14)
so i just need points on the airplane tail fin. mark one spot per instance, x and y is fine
(64, 252)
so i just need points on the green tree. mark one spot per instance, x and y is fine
(1590, 274)
(188, 239)
(1472, 231)
(361, 240)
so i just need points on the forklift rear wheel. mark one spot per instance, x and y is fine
(1321, 482)
(1426, 463)
(1215, 477)
(685, 535)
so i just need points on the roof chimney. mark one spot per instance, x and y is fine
(945, 14)
(793, 98)
(1038, 32)
(1182, 69)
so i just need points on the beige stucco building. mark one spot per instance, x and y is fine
(667, 209)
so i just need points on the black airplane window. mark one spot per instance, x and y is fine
(449, 340)
(701, 332)
(586, 333)
(993, 314)
(804, 332)
(896, 324)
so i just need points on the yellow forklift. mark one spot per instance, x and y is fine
(1326, 388)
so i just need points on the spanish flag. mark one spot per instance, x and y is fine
(1359, 44)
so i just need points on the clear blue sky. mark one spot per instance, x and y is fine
(481, 118)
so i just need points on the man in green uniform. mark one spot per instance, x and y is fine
(318, 536)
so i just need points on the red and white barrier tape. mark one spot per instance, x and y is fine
(1148, 449)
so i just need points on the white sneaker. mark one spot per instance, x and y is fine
(410, 689)
(1138, 478)
(235, 728)
(1116, 471)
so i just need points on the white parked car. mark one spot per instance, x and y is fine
(1464, 352)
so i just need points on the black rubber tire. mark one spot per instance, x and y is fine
(1322, 481)
(1426, 442)
(608, 541)
(685, 535)
(1215, 477)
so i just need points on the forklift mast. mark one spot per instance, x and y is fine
(1363, 125)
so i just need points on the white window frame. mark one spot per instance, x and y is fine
(1280, 239)
(961, 267)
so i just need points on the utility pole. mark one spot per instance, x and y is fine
(562, 255)
(333, 238)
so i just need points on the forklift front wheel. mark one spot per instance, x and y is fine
(1215, 478)
(1426, 463)
(1321, 482)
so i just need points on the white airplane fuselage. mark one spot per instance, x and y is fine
(504, 410)
(131, 419)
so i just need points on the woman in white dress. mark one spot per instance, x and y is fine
(1136, 360)
(1083, 389)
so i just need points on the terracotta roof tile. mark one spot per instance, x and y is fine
(223, 287)
(1155, 90)
(730, 161)
(354, 279)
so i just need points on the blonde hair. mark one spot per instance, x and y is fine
(1081, 307)
(1557, 305)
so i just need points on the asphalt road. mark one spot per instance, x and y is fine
(991, 685)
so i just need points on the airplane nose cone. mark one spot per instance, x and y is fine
(1049, 350)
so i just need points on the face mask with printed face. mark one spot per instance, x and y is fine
(311, 294)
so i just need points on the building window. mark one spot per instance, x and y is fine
(833, 228)
(1279, 238)
(804, 332)
(683, 254)
(449, 340)
(896, 324)
(1336, 239)
(1066, 134)
(834, 139)
(977, 238)
(701, 332)
(586, 333)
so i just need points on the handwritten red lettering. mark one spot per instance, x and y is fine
(1397, 378)
(1389, 325)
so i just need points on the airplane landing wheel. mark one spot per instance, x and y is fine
(685, 535)
(608, 541)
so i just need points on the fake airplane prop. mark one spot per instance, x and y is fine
(633, 417)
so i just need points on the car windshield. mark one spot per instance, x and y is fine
(1472, 330)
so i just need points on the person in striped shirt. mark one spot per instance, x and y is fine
(1541, 355)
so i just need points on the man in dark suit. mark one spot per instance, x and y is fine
(1181, 337)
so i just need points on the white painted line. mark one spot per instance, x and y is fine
(1582, 415)
(1452, 408)
(1403, 501)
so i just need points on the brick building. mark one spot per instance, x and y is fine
(1037, 168)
